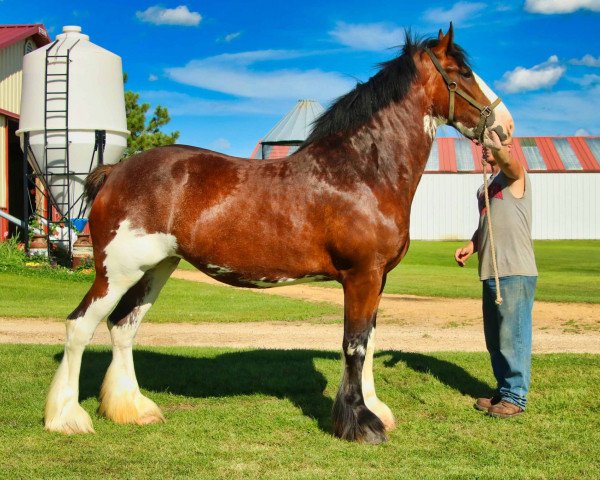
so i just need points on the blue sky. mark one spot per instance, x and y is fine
(228, 70)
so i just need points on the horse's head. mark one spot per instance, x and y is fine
(461, 97)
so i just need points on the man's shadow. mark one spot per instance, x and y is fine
(285, 374)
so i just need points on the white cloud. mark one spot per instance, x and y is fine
(459, 12)
(582, 132)
(587, 61)
(368, 36)
(523, 79)
(221, 144)
(152, 77)
(587, 80)
(180, 15)
(231, 37)
(236, 74)
(181, 104)
(561, 6)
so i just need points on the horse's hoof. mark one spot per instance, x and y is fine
(373, 438)
(72, 419)
(383, 412)
(357, 424)
(133, 408)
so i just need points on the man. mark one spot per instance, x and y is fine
(507, 327)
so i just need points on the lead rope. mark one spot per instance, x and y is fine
(491, 232)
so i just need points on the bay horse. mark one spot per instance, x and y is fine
(337, 209)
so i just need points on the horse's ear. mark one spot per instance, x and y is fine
(450, 35)
(446, 41)
(440, 35)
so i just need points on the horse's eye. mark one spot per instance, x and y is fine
(467, 73)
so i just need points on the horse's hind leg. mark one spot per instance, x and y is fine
(120, 264)
(358, 414)
(63, 412)
(120, 396)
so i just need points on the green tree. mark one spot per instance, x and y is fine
(145, 134)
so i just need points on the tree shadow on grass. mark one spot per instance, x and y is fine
(446, 372)
(278, 373)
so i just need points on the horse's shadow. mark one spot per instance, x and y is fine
(446, 372)
(289, 374)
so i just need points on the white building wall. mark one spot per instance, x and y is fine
(11, 75)
(565, 206)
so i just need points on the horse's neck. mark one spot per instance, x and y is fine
(397, 141)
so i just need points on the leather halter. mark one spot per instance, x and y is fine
(484, 111)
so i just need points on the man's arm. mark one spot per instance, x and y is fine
(509, 166)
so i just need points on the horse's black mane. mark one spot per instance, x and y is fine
(390, 84)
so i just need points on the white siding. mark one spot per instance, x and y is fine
(565, 206)
(11, 65)
(445, 207)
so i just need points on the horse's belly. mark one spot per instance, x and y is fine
(238, 279)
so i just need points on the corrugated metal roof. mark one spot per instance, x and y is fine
(289, 133)
(536, 154)
(10, 34)
(297, 124)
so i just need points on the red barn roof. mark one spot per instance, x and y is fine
(10, 34)
(536, 154)
(460, 155)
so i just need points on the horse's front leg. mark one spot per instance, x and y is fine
(357, 413)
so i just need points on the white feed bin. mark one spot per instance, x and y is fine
(95, 101)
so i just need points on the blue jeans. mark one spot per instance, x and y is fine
(507, 329)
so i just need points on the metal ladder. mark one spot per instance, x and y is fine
(56, 110)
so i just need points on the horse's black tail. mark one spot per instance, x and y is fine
(95, 180)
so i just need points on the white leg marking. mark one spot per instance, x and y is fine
(133, 251)
(129, 254)
(368, 388)
(63, 412)
(120, 396)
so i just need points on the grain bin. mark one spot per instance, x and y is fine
(72, 115)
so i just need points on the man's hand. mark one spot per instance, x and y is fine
(462, 254)
(487, 156)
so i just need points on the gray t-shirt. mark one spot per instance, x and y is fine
(511, 221)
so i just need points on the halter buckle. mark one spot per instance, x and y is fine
(486, 112)
(452, 86)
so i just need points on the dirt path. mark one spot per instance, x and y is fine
(408, 323)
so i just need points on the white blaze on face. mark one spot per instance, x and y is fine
(502, 116)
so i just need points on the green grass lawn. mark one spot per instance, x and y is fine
(568, 272)
(34, 295)
(238, 414)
